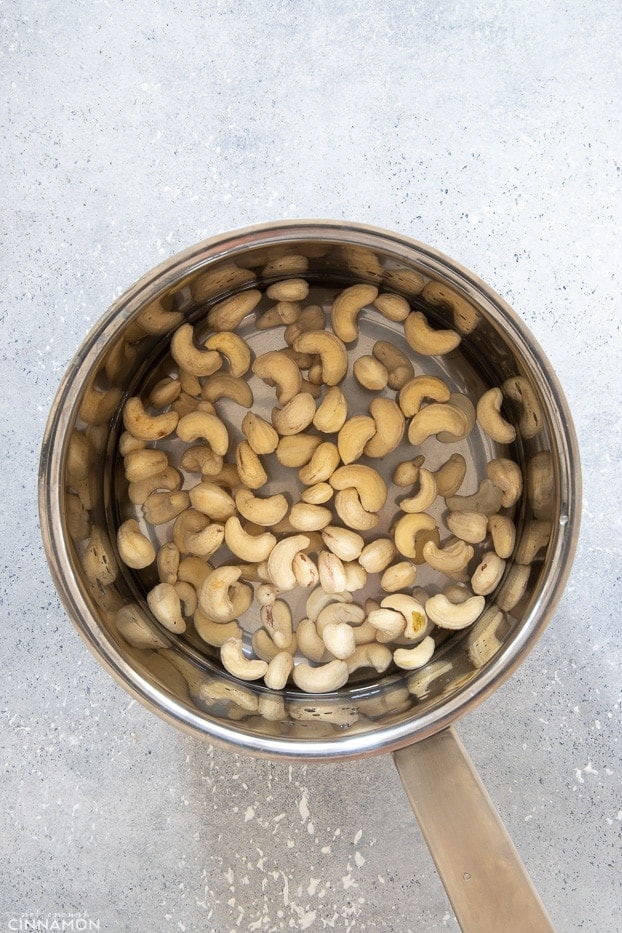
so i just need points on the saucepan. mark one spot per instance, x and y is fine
(412, 379)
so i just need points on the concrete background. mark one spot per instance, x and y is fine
(131, 130)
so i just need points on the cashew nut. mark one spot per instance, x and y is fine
(398, 576)
(331, 350)
(227, 314)
(280, 570)
(201, 459)
(339, 639)
(536, 535)
(531, 420)
(135, 549)
(221, 597)
(356, 576)
(370, 373)
(392, 307)
(212, 500)
(377, 555)
(413, 393)
(306, 517)
(436, 418)
(353, 437)
(224, 385)
(487, 499)
(416, 621)
(309, 642)
(425, 339)
(503, 534)
(488, 573)
(322, 679)
(275, 368)
(268, 511)
(169, 479)
(332, 411)
(144, 426)
(319, 598)
(261, 436)
(249, 548)
(389, 623)
(454, 616)
(305, 571)
(410, 659)
(450, 475)
(202, 424)
(513, 587)
(161, 507)
(277, 619)
(407, 530)
(140, 464)
(311, 318)
(236, 663)
(468, 525)
(250, 468)
(296, 450)
(288, 290)
(189, 358)
(490, 419)
(235, 350)
(295, 416)
(452, 558)
(164, 392)
(347, 306)
(406, 473)
(389, 428)
(194, 534)
(317, 494)
(343, 542)
(279, 669)
(369, 654)
(397, 364)
(508, 476)
(332, 572)
(192, 570)
(370, 486)
(165, 604)
(424, 497)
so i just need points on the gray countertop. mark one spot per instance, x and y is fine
(490, 131)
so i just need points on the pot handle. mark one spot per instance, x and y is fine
(486, 881)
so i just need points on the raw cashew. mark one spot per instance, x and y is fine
(249, 548)
(277, 619)
(195, 535)
(450, 475)
(452, 558)
(332, 411)
(296, 450)
(436, 418)
(261, 436)
(416, 621)
(453, 616)
(135, 549)
(221, 597)
(318, 599)
(490, 419)
(306, 517)
(164, 392)
(81, 459)
(192, 570)
(187, 595)
(311, 318)
(279, 669)
(309, 642)
(531, 420)
(370, 486)
(140, 464)
(353, 437)
(168, 480)
(389, 427)
(280, 560)
(189, 358)
(508, 476)
(331, 350)
(214, 633)
(250, 468)
(468, 525)
(165, 604)
(332, 572)
(466, 406)
(410, 659)
(317, 494)
(212, 500)
(281, 313)
(275, 368)
(264, 647)
(202, 424)
(406, 473)
(224, 385)
(425, 339)
(288, 290)
(346, 307)
(503, 533)
(235, 350)
(370, 654)
(339, 639)
(322, 679)
(417, 389)
(305, 571)
(536, 535)
(424, 497)
(392, 307)
(268, 511)
(352, 513)
(201, 459)
(398, 576)
(322, 464)
(407, 530)
(236, 663)
(295, 416)
(356, 576)
(377, 555)
(388, 622)
(144, 426)
(227, 314)
(541, 484)
(465, 316)
(487, 499)
(343, 542)
(161, 507)
(397, 364)
(488, 573)
(370, 373)
(338, 612)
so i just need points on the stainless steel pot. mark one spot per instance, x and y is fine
(408, 714)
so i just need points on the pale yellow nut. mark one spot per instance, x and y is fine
(331, 351)
(165, 605)
(305, 571)
(406, 473)
(339, 640)
(346, 307)
(425, 495)
(332, 412)
(540, 484)
(415, 618)
(398, 576)
(332, 572)
(490, 419)
(388, 623)
(425, 339)
(309, 642)
(188, 596)
(189, 357)
(487, 499)
(450, 559)
(288, 290)
(370, 373)
(224, 385)
(281, 313)
(356, 576)
(279, 669)
(136, 628)
(353, 437)
(263, 646)
(248, 547)
(296, 450)
(203, 425)
(194, 534)
(141, 464)
(317, 494)
(531, 420)
(212, 500)
(127, 443)
(488, 573)
(221, 597)
(144, 426)
(235, 350)
(135, 549)
(390, 426)
(236, 663)
(454, 616)
(466, 406)
(392, 307)
(276, 617)
(214, 633)
(410, 659)
(261, 436)
(377, 555)
(407, 530)
(419, 388)
(186, 401)
(468, 525)
(164, 392)
(250, 468)
(311, 318)
(306, 517)
(280, 571)
(228, 314)
(276, 369)
(158, 319)
(192, 570)
(318, 599)
(370, 485)
(339, 611)
(295, 416)
(168, 480)
(343, 542)
(261, 511)
(396, 362)
(534, 536)
(161, 507)
(503, 534)
(450, 475)
(435, 418)
(352, 513)
(370, 655)
(513, 587)
(201, 459)
(324, 678)
(465, 315)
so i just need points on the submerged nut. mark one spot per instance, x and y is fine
(425, 339)
(454, 616)
(491, 420)
(331, 351)
(347, 305)
(397, 364)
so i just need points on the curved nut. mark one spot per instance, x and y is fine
(352, 513)
(212, 500)
(201, 459)
(392, 307)
(343, 542)
(408, 528)
(466, 317)
(370, 486)
(202, 424)
(81, 458)
(306, 517)
(261, 436)
(309, 642)
(427, 340)
(318, 599)
(250, 548)
(503, 534)
(353, 437)
(322, 679)
(487, 574)
(370, 654)
(425, 496)
(165, 604)
(332, 412)
(331, 350)
(410, 659)
(370, 373)
(531, 420)
(169, 480)
(288, 290)
(406, 473)
(347, 305)
(281, 313)
(280, 571)
(398, 576)
(508, 476)
(164, 392)
(224, 385)
(188, 356)
(235, 350)
(356, 576)
(339, 639)
(310, 318)
(454, 616)
(416, 621)
(513, 587)
(144, 426)
(436, 418)
(450, 559)
(188, 597)
(397, 364)
(389, 622)
(541, 484)
(317, 494)
(277, 620)
(227, 314)
(141, 464)
(422, 387)
(135, 549)
(221, 597)
(275, 368)
(322, 464)
(390, 426)
(490, 419)
(450, 475)
(194, 534)
(535, 535)
(161, 507)
(279, 669)
(377, 555)
(296, 450)
(466, 406)
(167, 562)
(296, 415)
(305, 571)
(267, 512)
(487, 499)
(332, 572)
(192, 570)
(468, 525)
(236, 663)
(250, 468)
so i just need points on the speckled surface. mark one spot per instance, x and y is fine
(490, 131)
